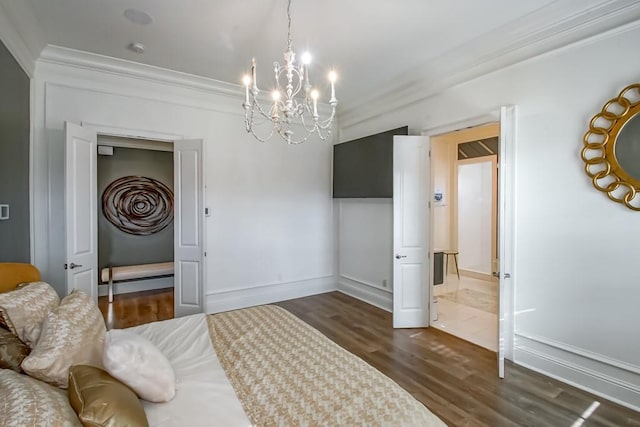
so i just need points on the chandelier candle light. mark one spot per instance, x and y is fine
(293, 109)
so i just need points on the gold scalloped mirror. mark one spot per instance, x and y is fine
(611, 150)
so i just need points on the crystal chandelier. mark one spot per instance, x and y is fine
(287, 109)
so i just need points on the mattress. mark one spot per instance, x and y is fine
(263, 366)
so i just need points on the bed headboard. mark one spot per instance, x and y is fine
(14, 273)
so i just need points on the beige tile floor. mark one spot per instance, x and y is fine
(468, 323)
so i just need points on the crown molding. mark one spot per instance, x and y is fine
(14, 41)
(550, 28)
(91, 61)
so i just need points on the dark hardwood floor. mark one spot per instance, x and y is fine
(456, 380)
(137, 308)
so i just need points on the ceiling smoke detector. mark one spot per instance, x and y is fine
(138, 16)
(136, 47)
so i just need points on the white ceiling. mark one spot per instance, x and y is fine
(373, 44)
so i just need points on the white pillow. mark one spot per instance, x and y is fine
(136, 362)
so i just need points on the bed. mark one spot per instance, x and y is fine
(263, 366)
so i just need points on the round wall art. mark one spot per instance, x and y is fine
(138, 205)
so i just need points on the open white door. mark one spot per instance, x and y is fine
(411, 231)
(81, 203)
(506, 235)
(188, 223)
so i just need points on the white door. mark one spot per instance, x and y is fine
(188, 232)
(506, 235)
(81, 202)
(410, 231)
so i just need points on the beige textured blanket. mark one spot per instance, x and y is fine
(287, 373)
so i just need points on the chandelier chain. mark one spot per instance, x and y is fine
(289, 27)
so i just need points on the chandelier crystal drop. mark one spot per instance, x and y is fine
(289, 107)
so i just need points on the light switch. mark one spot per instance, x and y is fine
(4, 212)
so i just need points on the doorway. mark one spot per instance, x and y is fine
(465, 208)
(135, 212)
(81, 214)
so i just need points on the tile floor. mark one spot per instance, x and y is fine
(468, 323)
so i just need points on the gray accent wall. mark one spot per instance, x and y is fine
(116, 247)
(14, 159)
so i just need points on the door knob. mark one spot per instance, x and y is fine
(73, 265)
(398, 256)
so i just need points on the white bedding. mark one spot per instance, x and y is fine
(204, 395)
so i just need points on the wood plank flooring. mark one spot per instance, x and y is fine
(456, 380)
(137, 308)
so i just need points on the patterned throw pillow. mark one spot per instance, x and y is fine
(23, 309)
(72, 334)
(12, 350)
(28, 402)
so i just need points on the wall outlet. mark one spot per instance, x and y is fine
(384, 283)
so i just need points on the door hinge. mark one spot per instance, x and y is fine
(205, 253)
(429, 153)
(429, 203)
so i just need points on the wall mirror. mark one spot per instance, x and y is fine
(611, 149)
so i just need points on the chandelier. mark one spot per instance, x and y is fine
(288, 107)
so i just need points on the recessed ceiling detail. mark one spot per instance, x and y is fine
(138, 16)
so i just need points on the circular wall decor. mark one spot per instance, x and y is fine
(138, 205)
(611, 150)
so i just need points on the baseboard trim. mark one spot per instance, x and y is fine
(363, 292)
(137, 286)
(477, 275)
(592, 374)
(217, 302)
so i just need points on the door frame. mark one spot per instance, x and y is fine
(507, 207)
(120, 132)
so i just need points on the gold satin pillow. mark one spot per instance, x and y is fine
(101, 400)
(12, 351)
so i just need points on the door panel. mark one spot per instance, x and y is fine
(410, 231)
(506, 235)
(81, 212)
(188, 232)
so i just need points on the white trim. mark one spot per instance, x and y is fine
(531, 36)
(15, 44)
(366, 283)
(219, 301)
(583, 353)
(120, 132)
(32, 216)
(587, 371)
(141, 285)
(90, 61)
(374, 296)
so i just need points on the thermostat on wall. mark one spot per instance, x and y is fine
(105, 150)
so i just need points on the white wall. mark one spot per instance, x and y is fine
(270, 233)
(576, 280)
(365, 266)
(475, 207)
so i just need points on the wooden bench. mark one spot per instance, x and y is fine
(128, 273)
